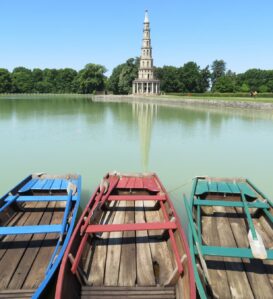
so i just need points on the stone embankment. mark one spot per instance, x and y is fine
(164, 100)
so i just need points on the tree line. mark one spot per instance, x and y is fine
(189, 78)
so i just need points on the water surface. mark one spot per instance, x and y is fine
(60, 135)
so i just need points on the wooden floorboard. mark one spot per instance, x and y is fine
(13, 255)
(127, 272)
(161, 258)
(145, 271)
(216, 265)
(31, 252)
(114, 250)
(237, 278)
(37, 272)
(95, 265)
(255, 269)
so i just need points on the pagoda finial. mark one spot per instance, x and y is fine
(146, 18)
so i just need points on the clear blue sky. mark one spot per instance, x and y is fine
(66, 33)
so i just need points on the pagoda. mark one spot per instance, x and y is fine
(146, 83)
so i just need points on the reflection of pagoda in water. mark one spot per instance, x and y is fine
(144, 113)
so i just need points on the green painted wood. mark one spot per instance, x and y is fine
(268, 214)
(248, 218)
(223, 188)
(213, 187)
(224, 203)
(201, 187)
(260, 192)
(231, 252)
(233, 188)
(245, 188)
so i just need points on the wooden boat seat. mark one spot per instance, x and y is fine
(128, 292)
(205, 187)
(14, 294)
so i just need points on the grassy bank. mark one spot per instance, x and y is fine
(235, 97)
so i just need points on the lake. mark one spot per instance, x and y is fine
(60, 135)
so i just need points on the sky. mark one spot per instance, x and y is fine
(66, 33)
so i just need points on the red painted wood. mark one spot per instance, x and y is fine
(131, 183)
(122, 182)
(139, 183)
(136, 197)
(130, 227)
(79, 254)
(113, 182)
(150, 184)
(173, 242)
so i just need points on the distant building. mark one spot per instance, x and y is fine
(146, 83)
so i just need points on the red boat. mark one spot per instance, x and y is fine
(128, 243)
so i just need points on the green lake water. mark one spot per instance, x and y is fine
(60, 135)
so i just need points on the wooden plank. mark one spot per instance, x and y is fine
(216, 266)
(267, 236)
(150, 184)
(223, 187)
(139, 183)
(201, 187)
(128, 197)
(212, 186)
(127, 272)
(114, 250)
(20, 220)
(13, 255)
(233, 187)
(48, 184)
(122, 182)
(56, 184)
(131, 183)
(27, 260)
(37, 271)
(247, 190)
(28, 185)
(255, 269)
(64, 184)
(238, 281)
(95, 264)
(39, 184)
(160, 252)
(145, 271)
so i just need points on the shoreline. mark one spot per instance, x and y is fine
(180, 102)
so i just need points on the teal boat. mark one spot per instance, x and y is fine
(231, 238)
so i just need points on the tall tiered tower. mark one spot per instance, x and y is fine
(146, 83)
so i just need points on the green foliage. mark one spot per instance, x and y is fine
(120, 82)
(5, 81)
(225, 84)
(188, 78)
(22, 80)
(169, 78)
(90, 79)
(244, 88)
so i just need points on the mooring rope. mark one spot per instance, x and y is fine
(180, 186)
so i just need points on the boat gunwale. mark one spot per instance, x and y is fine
(88, 210)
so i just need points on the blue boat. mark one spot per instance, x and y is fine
(36, 221)
(231, 238)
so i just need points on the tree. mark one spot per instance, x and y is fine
(225, 84)
(121, 79)
(90, 79)
(218, 70)
(22, 81)
(192, 78)
(169, 78)
(5, 81)
(65, 80)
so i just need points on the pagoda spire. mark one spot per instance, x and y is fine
(146, 83)
(146, 18)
